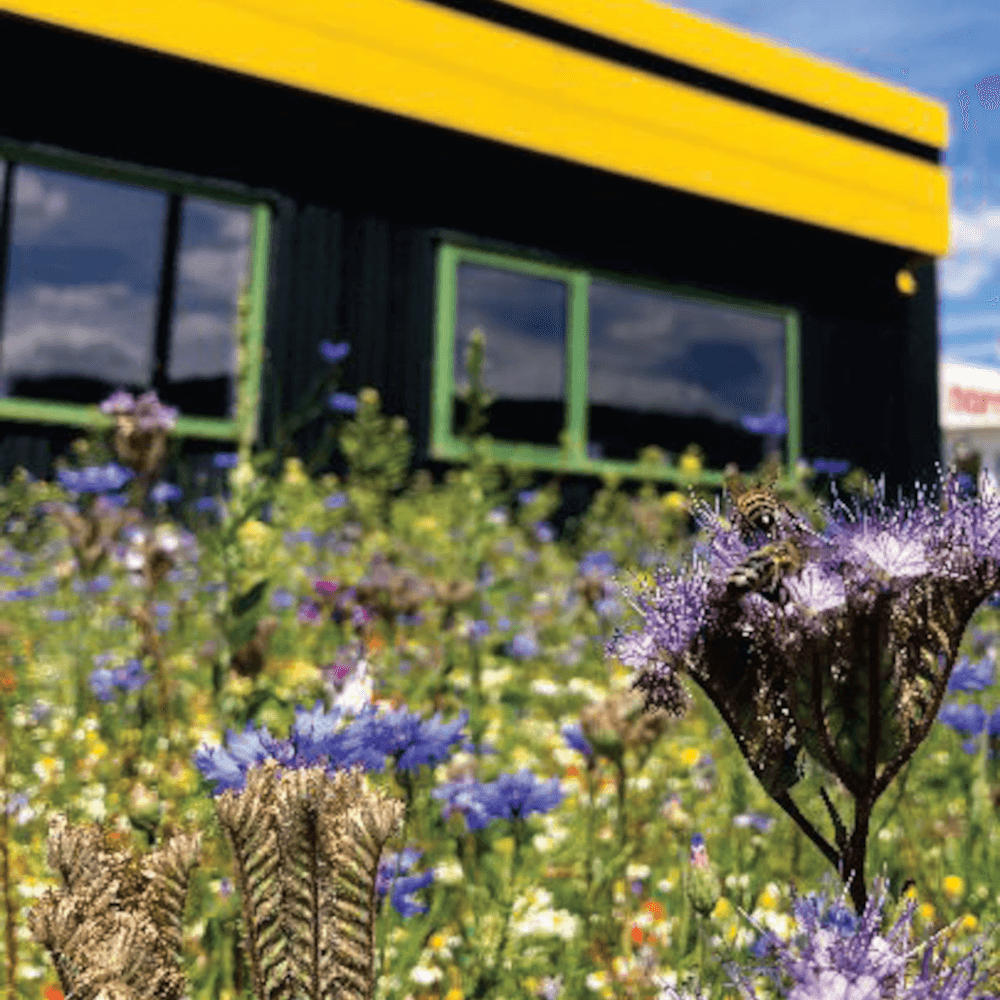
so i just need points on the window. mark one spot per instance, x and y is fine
(586, 369)
(113, 278)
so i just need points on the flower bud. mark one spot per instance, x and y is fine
(704, 888)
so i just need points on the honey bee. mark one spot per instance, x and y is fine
(764, 570)
(759, 511)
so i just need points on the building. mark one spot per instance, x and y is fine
(970, 417)
(670, 230)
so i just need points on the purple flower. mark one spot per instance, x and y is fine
(968, 719)
(147, 411)
(544, 532)
(94, 478)
(164, 492)
(391, 876)
(773, 423)
(343, 402)
(58, 615)
(838, 955)
(831, 466)
(304, 536)
(526, 497)
(760, 822)
(599, 563)
(464, 796)
(282, 599)
(102, 684)
(514, 796)
(967, 676)
(206, 504)
(334, 352)
(226, 459)
(335, 501)
(575, 740)
(523, 646)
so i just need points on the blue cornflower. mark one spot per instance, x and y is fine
(343, 402)
(544, 532)
(334, 352)
(967, 676)
(102, 684)
(226, 459)
(391, 876)
(831, 466)
(164, 492)
(95, 478)
(608, 607)
(522, 646)
(514, 796)
(526, 497)
(131, 677)
(575, 740)
(414, 741)
(282, 599)
(503, 623)
(205, 503)
(20, 594)
(116, 500)
(597, 563)
(773, 423)
(335, 501)
(303, 536)
(760, 822)
(467, 797)
(477, 630)
(967, 719)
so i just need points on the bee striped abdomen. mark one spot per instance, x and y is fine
(762, 571)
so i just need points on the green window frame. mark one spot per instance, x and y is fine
(571, 456)
(88, 416)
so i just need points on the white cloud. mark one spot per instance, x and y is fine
(213, 271)
(37, 204)
(99, 331)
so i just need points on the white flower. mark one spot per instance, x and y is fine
(544, 687)
(357, 691)
(891, 556)
(449, 872)
(815, 590)
(425, 975)
(636, 650)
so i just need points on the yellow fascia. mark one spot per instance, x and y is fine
(432, 64)
(758, 62)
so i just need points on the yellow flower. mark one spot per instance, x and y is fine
(769, 897)
(926, 912)
(426, 524)
(437, 942)
(690, 756)
(969, 922)
(253, 533)
(722, 909)
(954, 887)
(454, 994)
(294, 472)
(690, 462)
(674, 501)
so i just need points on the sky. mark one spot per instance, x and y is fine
(939, 50)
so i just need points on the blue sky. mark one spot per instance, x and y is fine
(936, 49)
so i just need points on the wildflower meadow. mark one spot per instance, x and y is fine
(284, 732)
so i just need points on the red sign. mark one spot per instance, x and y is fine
(976, 401)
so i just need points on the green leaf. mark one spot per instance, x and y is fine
(249, 599)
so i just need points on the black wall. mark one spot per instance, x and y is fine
(360, 195)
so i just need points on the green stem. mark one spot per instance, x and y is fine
(10, 907)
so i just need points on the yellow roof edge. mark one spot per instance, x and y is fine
(755, 60)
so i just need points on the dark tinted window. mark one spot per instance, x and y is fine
(670, 372)
(524, 319)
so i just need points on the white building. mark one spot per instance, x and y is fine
(969, 407)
